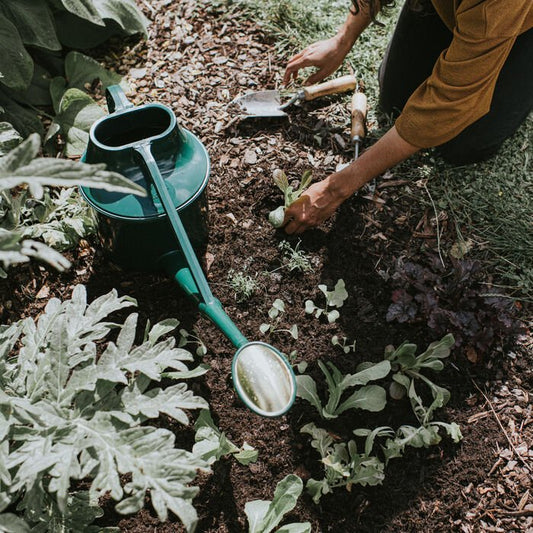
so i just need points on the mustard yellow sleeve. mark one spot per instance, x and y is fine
(460, 88)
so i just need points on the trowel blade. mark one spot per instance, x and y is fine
(260, 104)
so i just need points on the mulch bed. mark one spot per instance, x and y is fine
(196, 62)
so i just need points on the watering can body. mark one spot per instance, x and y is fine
(135, 231)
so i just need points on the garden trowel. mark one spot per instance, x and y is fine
(268, 103)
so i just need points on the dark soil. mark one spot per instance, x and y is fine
(196, 63)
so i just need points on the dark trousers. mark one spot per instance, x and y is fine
(417, 42)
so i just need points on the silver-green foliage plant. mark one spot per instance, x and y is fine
(243, 284)
(76, 406)
(275, 314)
(34, 35)
(294, 258)
(366, 397)
(30, 210)
(264, 515)
(212, 444)
(351, 462)
(290, 195)
(334, 298)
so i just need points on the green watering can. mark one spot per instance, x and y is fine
(147, 145)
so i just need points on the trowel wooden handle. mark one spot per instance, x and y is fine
(358, 116)
(339, 85)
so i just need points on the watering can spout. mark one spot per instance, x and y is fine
(175, 265)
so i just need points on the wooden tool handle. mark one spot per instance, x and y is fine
(358, 116)
(339, 85)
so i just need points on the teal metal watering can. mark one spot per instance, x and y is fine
(147, 145)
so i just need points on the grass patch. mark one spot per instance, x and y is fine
(490, 203)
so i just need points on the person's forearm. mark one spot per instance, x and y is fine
(390, 150)
(353, 26)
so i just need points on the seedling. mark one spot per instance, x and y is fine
(243, 285)
(368, 397)
(274, 313)
(294, 258)
(188, 338)
(264, 516)
(334, 298)
(407, 368)
(277, 216)
(343, 343)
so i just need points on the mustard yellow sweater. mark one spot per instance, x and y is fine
(460, 88)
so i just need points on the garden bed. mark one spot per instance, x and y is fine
(196, 61)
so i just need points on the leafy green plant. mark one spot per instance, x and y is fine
(352, 462)
(334, 298)
(366, 397)
(264, 516)
(212, 444)
(290, 194)
(275, 313)
(70, 411)
(34, 35)
(29, 209)
(294, 258)
(244, 285)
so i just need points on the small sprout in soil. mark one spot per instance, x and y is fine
(188, 338)
(244, 285)
(290, 194)
(343, 343)
(294, 258)
(274, 313)
(334, 298)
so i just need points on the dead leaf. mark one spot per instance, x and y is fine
(44, 292)
(250, 157)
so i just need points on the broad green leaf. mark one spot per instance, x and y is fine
(280, 179)
(372, 373)
(81, 69)
(84, 9)
(16, 65)
(337, 296)
(306, 389)
(369, 398)
(264, 516)
(34, 21)
(77, 113)
(316, 489)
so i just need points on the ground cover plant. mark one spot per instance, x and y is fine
(198, 57)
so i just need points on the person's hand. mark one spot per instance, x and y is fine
(314, 206)
(326, 55)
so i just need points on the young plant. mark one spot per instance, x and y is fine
(244, 285)
(407, 368)
(334, 298)
(274, 313)
(294, 258)
(345, 463)
(70, 411)
(190, 338)
(290, 195)
(212, 444)
(366, 397)
(343, 343)
(264, 516)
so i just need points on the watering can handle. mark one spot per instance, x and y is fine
(116, 99)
